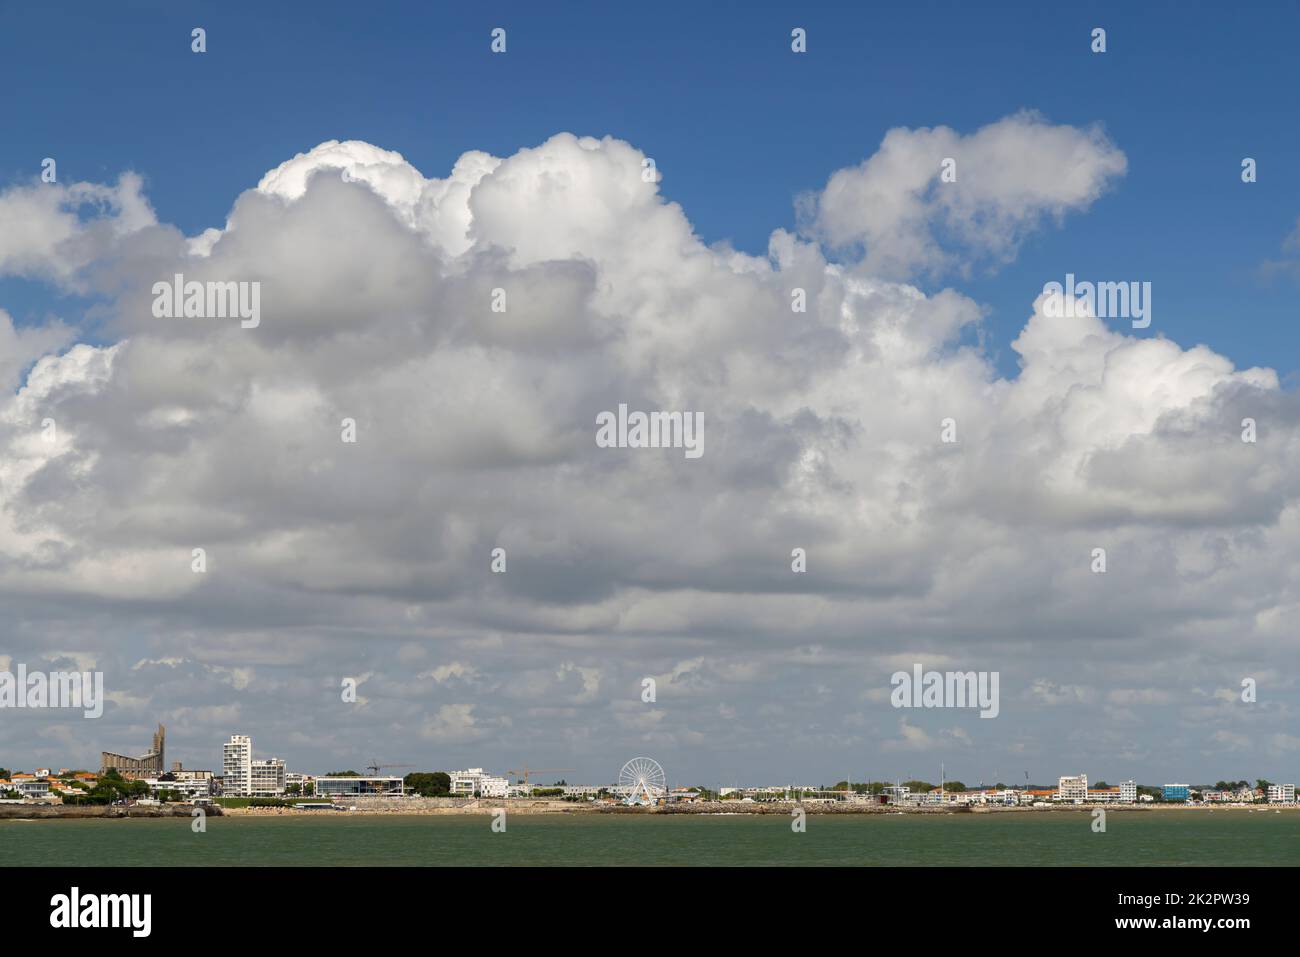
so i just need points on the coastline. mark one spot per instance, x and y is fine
(81, 812)
(730, 808)
(444, 807)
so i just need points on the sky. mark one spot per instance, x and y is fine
(380, 174)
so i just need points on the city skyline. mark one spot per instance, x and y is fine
(244, 753)
(655, 385)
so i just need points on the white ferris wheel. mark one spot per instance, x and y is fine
(642, 781)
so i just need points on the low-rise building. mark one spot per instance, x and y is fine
(188, 788)
(474, 781)
(589, 790)
(1103, 795)
(346, 786)
(1177, 792)
(30, 786)
(1038, 795)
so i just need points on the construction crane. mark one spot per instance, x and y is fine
(525, 771)
(377, 767)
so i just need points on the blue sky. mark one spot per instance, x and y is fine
(737, 125)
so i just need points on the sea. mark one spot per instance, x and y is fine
(336, 839)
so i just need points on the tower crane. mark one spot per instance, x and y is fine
(377, 767)
(526, 771)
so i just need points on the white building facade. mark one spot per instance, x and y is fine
(267, 778)
(241, 776)
(477, 781)
(1073, 789)
(237, 766)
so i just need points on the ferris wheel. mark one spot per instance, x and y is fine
(642, 780)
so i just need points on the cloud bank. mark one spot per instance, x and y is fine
(475, 430)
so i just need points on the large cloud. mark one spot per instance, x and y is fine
(1005, 180)
(476, 430)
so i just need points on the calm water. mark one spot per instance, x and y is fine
(335, 839)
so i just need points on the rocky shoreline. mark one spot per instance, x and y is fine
(49, 812)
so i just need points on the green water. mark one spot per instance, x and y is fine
(1239, 838)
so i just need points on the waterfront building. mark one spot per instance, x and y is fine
(1073, 789)
(188, 789)
(267, 778)
(30, 786)
(477, 781)
(349, 786)
(243, 777)
(589, 790)
(1177, 792)
(465, 783)
(148, 765)
(1128, 792)
(237, 766)
(1103, 795)
(1281, 794)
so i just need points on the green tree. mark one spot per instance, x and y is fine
(428, 783)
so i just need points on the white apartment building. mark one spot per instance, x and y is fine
(1073, 789)
(237, 766)
(466, 782)
(477, 781)
(1104, 795)
(268, 778)
(1128, 792)
(1281, 794)
(243, 777)
(189, 788)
